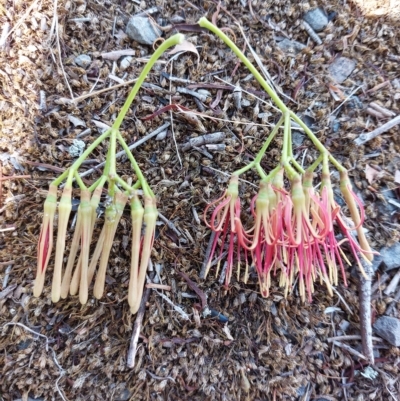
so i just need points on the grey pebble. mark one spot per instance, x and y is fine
(291, 46)
(389, 329)
(83, 60)
(317, 19)
(391, 256)
(341, 69)
(142, 30)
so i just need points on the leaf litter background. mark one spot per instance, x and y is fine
(271, 349)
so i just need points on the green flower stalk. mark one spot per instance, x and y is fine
(118, 193)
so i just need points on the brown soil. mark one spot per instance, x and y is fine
(271, 349)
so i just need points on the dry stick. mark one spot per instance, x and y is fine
(380, 282)
(207, 255)
(65, 100)
(364, 138)
(130, 360)
(396, 299)
(364, 295)
(133, 146)
(351, 337)
(349, 349)
(393, 283)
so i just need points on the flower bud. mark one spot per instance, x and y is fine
(149, 220)
(137, 212)
(45, 243)
(64, 210)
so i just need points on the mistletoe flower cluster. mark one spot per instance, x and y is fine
(294, 230)
(82, 266)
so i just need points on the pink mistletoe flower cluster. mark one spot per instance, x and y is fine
(294, 234)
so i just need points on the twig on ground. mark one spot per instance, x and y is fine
(364, 138)
(4, 34)
(380, 282)
(6, 276)
(130, 360)
(196, 289)
(364, 290)
(203, 270)
(176, 79)
(7, 291)
(383, 110)
(349, 349)
(10, 262)
(12, 228)
(133, 146)
(160, 377)
(177, 308)
(393, 283)
(14, 177)
(346, 100)
(311, 33)
(172, 119)
(164, 287)
(351, 337)
(343, 301)
(170, 224)
(215, 137)
(393, 304)
(64, 100)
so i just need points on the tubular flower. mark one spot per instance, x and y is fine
(45, 239)
(112, 218)
(360, 248)
(149, 222)
(137, 212)
(226, 224)
(64, 210)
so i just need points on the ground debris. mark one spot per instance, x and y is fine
(277, 348)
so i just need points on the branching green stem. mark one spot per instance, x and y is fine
(204, 23)
(172, 41)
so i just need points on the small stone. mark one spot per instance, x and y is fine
(297, 138)
(389, 329)
(83, 60)
(142, 30)
(124, 395)
(376, 263)
(391, 256)
(125, 63)
(341, 69)
(77, 148)
(317, 19)
(161, 136)
(291, 46)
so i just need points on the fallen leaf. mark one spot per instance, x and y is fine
(397, 177)
(185, 46)
(116, 54)
(371, 174)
